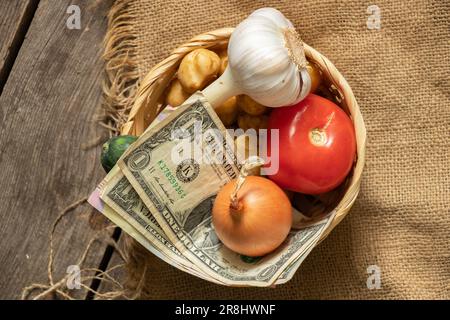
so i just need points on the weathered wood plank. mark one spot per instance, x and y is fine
(46, 112)
(15, 17)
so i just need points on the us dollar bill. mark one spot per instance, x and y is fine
(122, 205)
(111, 214)
(122, 208)
(290, 270)
(180, 197)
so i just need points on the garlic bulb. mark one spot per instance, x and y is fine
(266, 61)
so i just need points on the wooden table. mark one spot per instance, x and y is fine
(50, 84)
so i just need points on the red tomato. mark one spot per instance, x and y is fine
(316, 147)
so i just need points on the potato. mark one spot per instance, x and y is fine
(228, 111)
(247, 121)
(314, 73)
(250, 106)
(242, 145)
(223, 55)
(198, 69)
(175, 94)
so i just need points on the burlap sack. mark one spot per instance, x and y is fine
(400, 75)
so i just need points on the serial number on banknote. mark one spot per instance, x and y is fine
(171, 178)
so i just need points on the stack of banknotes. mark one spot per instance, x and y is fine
(166, 205)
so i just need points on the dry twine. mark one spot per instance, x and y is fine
(59, 288)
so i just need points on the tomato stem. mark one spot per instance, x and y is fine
(318, 136)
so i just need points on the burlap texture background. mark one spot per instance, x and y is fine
(400, 75)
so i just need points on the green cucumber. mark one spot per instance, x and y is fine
(113, 149)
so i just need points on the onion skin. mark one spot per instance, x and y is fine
(261, 221)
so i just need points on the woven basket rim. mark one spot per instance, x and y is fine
(145, 107)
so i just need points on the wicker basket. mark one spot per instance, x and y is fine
(147, 105)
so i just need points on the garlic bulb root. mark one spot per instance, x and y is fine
(294, 45)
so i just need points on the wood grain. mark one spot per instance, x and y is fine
(118, 273)
(46, 112)
(15, 17)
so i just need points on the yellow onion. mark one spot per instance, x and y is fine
(252, 215)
